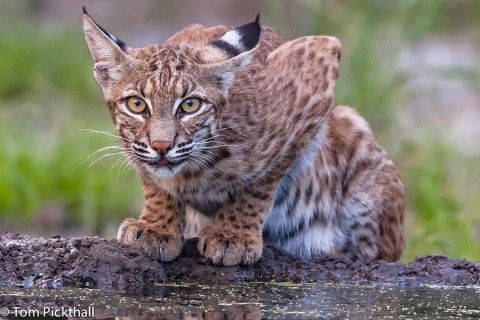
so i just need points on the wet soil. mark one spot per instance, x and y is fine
(104, 263)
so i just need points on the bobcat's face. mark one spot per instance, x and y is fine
(165, 109)
(165, 99)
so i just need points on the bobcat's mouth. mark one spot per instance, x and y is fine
(160, 163)
(164, 163)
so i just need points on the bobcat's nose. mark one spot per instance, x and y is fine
(162, 147)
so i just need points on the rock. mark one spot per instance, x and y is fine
(106, 263)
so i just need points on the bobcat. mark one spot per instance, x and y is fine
(237, 123)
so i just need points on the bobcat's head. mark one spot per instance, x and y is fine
(165, 99)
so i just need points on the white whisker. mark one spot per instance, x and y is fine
(194, 163)
(129, 165)
(209, 133)
(200, 162)
(107, 134)
(104, 156)
(208, 151)
(100, 150)
(120, 160)
(214, 147)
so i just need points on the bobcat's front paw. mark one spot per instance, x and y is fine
(151, 238)
(230, 248)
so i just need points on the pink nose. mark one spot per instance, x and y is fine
(161, 147)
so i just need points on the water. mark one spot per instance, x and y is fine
(249, 301)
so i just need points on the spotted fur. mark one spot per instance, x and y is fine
(265, 153)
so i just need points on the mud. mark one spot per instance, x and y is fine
(104, 263)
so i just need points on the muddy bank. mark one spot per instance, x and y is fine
(105, 263)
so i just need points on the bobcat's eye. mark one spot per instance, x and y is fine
(190, 105)
(136, 105)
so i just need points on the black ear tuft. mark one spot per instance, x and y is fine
(119, 42)
(257, 18)
(240, 39)
(250, 33)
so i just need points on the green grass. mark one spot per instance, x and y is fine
(47, 95)
(45, 164)
(441, 217)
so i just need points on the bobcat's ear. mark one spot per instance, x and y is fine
(232, 51)
(110, 53)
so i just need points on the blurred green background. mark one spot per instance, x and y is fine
(411, 67)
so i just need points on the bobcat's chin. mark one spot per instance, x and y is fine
(163, 169)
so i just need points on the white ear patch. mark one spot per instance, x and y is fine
(233, 38)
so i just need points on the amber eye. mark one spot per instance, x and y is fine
(190, 105)
(136, 105)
